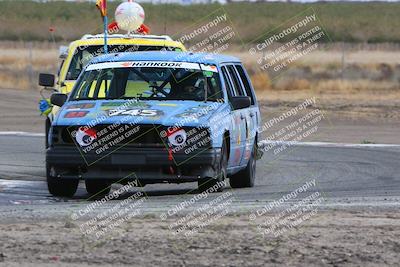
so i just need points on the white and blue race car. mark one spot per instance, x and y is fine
(155, 117)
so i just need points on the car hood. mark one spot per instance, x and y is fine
(173, 112)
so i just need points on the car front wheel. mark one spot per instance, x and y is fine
(216, 182)
(61, 187)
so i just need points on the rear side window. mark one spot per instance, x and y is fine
(237, 86)
(245, 82)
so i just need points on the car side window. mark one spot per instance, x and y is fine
(237, 86)
(246, 83)
(228, 84)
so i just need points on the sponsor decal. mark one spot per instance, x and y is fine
(177, 137)
(239, 129)
(111, 104)
(81, 106)
(76, 114)
(167, 105)
(211, 68)
(156, 64)
(196, 112)
(147, 64)
(237, 155)
(135, 112)
(85, 137)
(107, 105)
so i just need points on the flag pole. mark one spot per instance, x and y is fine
(105, 20)
(102, 6)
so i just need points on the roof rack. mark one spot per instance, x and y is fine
(128, 36)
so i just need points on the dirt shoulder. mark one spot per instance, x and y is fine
(367, 238)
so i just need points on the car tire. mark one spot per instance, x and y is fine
(47, 129)
(209, 182)
(61, 187)
(97, 187)
(246, 177)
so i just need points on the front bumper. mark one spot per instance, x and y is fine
(148, 165)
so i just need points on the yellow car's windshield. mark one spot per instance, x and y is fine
(83, 54)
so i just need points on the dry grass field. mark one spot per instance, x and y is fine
(349, 22)
(20, 63)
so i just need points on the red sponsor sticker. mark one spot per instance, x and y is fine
(76, 114)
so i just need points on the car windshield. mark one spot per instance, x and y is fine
(149, 80)
(84, 54)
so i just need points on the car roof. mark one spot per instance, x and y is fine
(127, 36)
(126, 41)
(210, 59)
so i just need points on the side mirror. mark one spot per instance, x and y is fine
(239, 102)
(58, 99)
(46, 80)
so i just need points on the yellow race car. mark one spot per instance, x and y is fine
(75, 57)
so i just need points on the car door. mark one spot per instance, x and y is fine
(244, 115)
(238, 122)
(252, 113)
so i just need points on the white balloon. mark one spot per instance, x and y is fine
(129, 16)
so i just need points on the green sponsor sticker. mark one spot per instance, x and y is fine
(208, 74)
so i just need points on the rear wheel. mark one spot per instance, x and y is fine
(246, 177)
(61, 187)
(216, 182)
(97, 186)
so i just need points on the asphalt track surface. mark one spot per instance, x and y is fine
(345, 175)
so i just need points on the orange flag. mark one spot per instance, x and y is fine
(102, 6)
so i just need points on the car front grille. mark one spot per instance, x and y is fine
(126, 135)
(122, 134)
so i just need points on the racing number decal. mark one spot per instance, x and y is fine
(134, 112)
